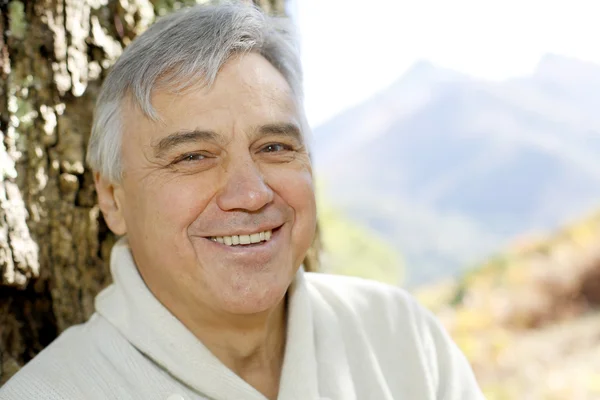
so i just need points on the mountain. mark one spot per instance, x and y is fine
(449, 168)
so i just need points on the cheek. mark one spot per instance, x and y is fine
(295, 187)
(302, 197)
(172, 204)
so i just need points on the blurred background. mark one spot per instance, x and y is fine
(457, 150)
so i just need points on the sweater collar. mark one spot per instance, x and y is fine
(132, 308)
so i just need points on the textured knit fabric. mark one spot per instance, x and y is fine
(347, 339)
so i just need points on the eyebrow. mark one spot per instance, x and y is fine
(281, 129)
(183, 137)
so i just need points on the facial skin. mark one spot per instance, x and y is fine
(227, 160)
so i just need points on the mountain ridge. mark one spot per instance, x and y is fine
(496, 154)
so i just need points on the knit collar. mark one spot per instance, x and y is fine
(132, 308)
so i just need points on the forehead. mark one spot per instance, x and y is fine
(247, 91)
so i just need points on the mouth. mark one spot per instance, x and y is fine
(256, 238)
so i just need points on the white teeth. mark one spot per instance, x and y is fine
(243, 239)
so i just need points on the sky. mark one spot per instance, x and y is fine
(352, 49)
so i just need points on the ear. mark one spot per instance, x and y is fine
(110, 204)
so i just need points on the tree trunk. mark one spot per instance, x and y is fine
(54, 245)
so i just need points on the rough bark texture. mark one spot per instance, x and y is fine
(54, 246)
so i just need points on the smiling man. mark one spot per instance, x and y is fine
(201, 165)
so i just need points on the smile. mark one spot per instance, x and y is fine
(236, 240)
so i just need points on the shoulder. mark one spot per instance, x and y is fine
(395, 323)
(386, 315)
(70, 367)
(361, 297)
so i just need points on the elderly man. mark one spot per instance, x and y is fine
(201, 164)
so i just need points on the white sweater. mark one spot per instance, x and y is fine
(347, 339)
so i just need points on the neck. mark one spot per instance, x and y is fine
(247, 339)
(252, 346)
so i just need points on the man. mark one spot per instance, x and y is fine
(201, 164)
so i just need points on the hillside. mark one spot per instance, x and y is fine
(529, 318)
(451, 169)
(348, 248)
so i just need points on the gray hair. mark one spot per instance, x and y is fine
(179, 51)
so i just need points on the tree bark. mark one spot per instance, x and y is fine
(54, 245)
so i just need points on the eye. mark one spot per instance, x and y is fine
(191, 157)
(275, 147)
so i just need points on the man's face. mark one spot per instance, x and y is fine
(226, 165)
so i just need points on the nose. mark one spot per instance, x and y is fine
(245, 188)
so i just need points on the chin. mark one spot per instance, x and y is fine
(252, 304)
(252, 297)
